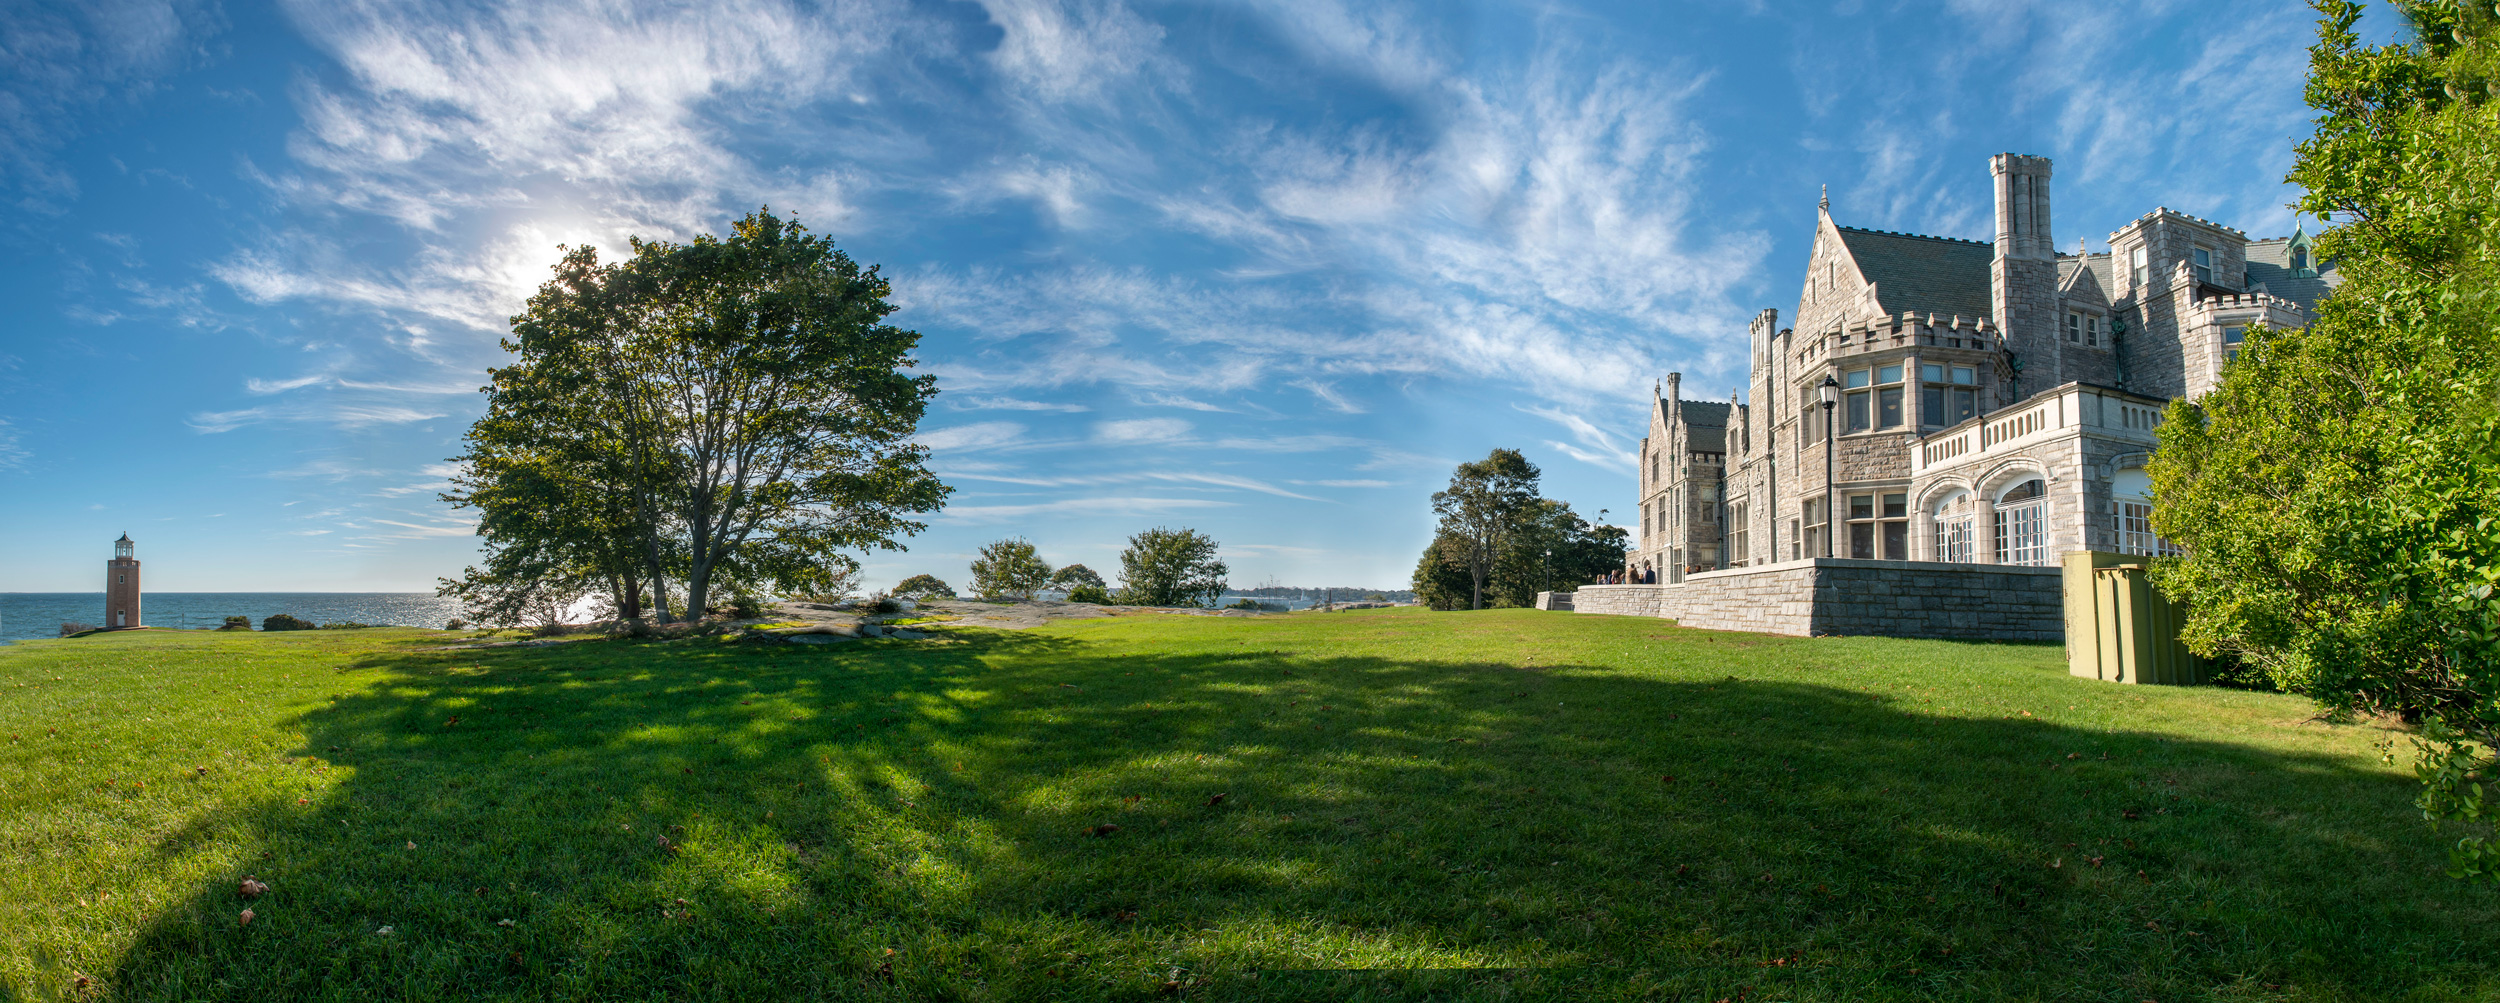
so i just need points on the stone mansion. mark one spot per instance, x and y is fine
(1993, 407)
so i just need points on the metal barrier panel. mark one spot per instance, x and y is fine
(2119, 629)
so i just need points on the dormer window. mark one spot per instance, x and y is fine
(2300, 259)
(2204, 265)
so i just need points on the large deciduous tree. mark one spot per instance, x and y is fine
(1483, 508)
(1171, 567)
(1550, 548)
(727, 411)
(1009, 569)
(2337, 491)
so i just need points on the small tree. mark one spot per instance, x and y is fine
(1171, 567)
(1009, 569)
(1483, 508)
(1075, 576)
(924, 587)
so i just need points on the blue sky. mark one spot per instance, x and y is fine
(1264, 269)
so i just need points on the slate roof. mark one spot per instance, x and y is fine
(2270, 263)
(1705, 424)
(1925, 274)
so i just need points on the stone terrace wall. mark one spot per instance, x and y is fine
(1620, 600)
(1978, 602)
(1825, 596)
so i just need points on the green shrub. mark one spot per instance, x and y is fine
(285, 621)
(237, 623)
(1009, 569)
(1171, 567)
(924, 587)
(1095, 594)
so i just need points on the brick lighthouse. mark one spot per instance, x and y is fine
(121, 587)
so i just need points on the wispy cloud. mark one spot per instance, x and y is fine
(1141, 430)
(1077, 506)
(976, 436)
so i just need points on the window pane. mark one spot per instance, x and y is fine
(1855, 379)
(1931, 405)
(2074, 327)
(2234, 335)
(1896, 506)
(1862, 540)
(1888, 407)
(1888, 374)
(1965, 404)
(1931, 373)
(1965, 375)
(1857, 411)
(1861, 506)
(1896, 541)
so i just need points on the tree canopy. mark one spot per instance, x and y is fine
(1009, 569)
(1542, 546)
(2336, 493)
(727, 412)
(1171, 567)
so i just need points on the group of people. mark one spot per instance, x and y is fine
(1629, 576)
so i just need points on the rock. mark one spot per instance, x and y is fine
(817, 639)
(905, 634)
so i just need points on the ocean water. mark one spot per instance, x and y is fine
(40, 614)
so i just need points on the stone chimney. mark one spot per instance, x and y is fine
(2022, 280)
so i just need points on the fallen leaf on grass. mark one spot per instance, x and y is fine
(2057, 863)
(1668, 779)
(503, 922)
(664, 845)
(251, 888)
(412, 844)
(1216, 800)
(245, 919)
(1102, 830)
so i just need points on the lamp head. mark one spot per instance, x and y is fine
(1830, 390)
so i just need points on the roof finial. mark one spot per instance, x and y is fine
(1825, 206)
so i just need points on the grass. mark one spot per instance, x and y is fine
(1416, 806)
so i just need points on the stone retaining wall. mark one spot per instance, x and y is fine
(1619, 600)
(1838, 596)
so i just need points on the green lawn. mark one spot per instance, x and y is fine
(1513, 805)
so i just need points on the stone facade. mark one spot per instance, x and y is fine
(1835, 597)
(1994, 406)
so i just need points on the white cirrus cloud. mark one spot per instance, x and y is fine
(1138, 430)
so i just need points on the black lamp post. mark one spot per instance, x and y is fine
(1831, 399)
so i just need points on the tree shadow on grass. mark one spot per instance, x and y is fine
(874, 820)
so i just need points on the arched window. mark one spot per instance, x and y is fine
(2132, 502)
(2022, 524)
(1953, 528)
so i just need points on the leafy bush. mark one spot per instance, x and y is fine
(747, 606)
(456, 623)
(285, 621)
(76, 628)
(1009, 569)
(1244, 603)
(1095, 594)
(237, 623)
(925, 587)
(2335, 491)
(1074, 576)
(1171, 567)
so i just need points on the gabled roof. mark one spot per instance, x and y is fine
(2084, 278)
(2270, 264)
(1924, 274)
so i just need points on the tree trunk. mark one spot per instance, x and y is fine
(629, 596)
